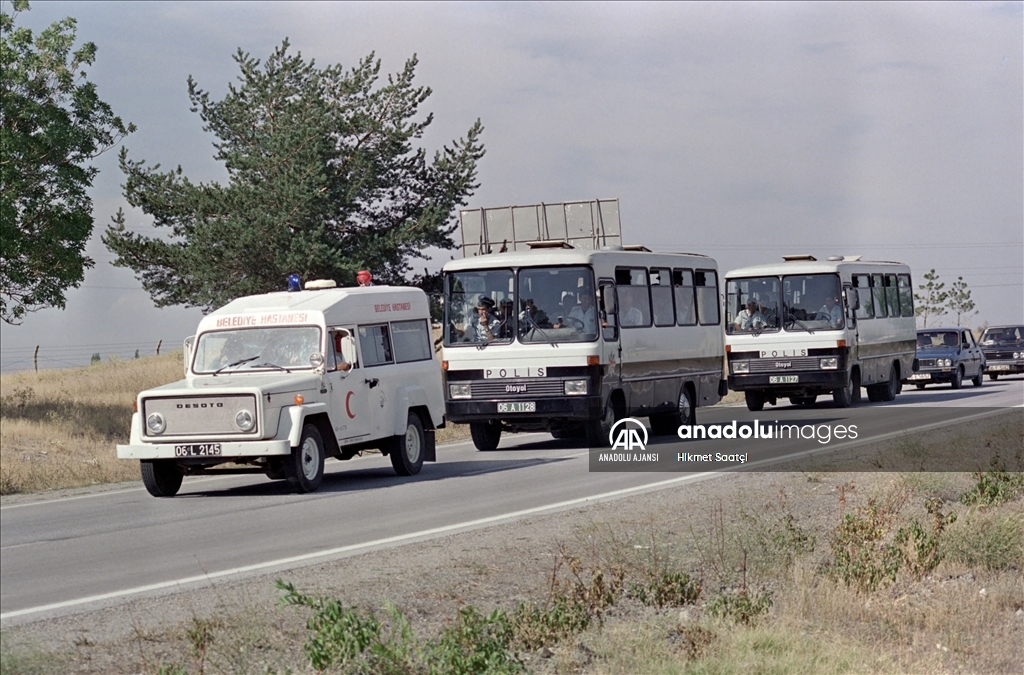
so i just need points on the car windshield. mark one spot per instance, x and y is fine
(556, 304)
(812, 302)
(278, 348)
(478, 307)
(752, 305)
(1002, 336)
(938, 338)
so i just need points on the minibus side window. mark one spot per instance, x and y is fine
(661, 297)
(878, 295)
(863, 285)
(634, 297)
(892, 294)
(706, 282)
(906, 296)
(682, 284)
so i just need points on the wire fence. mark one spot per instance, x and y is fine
(40, 357)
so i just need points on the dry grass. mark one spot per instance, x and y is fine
(58, 428)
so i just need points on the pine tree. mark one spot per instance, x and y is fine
(959, 301)
(931, 301)
(323, 180)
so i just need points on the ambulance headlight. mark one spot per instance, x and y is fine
(155, 423)
(830, 363)
(741, 367)
(575, 387)
(459, 390)
(244, 420)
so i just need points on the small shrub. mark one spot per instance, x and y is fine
(994, 487)
(475, 644)
(741, 606)
(338, 634)
(862, 556)
(920, 547)
(669, 589)
(986, 539)
(572, 604)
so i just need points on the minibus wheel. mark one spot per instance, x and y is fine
(485, 435)
(755, 400)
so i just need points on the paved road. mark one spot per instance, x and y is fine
(65, 555)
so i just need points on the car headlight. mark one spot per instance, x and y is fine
(156, 423)
(741, 367)
(947, 362)
(1016, 355)
(459, 390)
(244, 420)
(830, 363)
(575, 387)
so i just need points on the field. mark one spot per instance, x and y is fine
(802, 572)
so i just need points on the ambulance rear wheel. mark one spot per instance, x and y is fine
(162, 477)
(407, 450)
(485, 435)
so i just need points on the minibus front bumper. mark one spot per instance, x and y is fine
(820, 380)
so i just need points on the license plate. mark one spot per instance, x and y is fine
(197, 450)
(783, 379)
(999, 367)
(920, 376)
(526, 406)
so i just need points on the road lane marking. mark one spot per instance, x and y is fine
(467, 525)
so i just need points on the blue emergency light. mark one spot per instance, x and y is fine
(294, 283)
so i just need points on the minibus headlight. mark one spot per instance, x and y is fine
(741, 367)
(155, 423)
(575, 387)
(459, 390)
(830, 363)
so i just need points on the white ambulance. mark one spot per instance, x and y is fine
(277, 383)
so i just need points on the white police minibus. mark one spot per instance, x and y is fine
(806, 327)
(556, 337)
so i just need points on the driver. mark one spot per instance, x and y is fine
(749, 318)
(585, 313)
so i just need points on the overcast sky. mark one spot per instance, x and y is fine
(743, 131)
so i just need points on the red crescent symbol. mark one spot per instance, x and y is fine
(348, 396)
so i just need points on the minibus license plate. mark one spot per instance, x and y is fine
(783, 379)
(517, 407)
(197, 450)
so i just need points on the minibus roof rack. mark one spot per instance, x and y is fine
(586, 224)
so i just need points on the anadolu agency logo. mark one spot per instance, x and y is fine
(625, 435)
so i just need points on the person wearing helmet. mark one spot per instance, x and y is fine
(364, 278)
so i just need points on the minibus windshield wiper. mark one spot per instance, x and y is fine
(791, 317)
(527, 317)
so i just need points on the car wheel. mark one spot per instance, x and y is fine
(919, 385)
(979, 379)
(162, 477)
(485, 435)
(755, 400)
(958, 378)
(407, 450)
(993, 376)
(304, 468)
